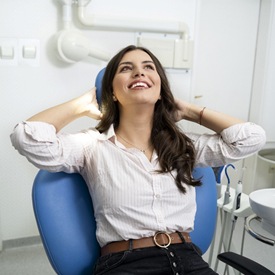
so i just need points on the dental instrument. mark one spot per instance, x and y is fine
(238, 194)
(236, 205)
(218, 172)
(227, 191)
(226, 200)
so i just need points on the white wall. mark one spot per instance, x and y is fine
(262, 109)
(224, 57)
(262, 104)
(225, 38)
(226, 46)
(268, 88)
(26, 90)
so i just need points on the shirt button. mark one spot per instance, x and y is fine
(174, 264)
(158, 196)
(172, 254)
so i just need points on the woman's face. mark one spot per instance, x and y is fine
(136, 80)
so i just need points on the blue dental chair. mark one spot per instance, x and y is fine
(65, 219)
(64, 214)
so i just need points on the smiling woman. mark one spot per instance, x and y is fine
(136, 81)
(137, 163)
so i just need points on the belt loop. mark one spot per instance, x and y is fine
(181, 236)
(130, 244)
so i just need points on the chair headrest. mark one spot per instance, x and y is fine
(98, 84)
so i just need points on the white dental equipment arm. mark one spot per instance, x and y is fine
(72, 47)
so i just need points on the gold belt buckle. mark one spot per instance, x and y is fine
(162, 245)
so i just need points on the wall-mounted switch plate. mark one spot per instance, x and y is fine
(8, 52)
(14, 52)
(29, 52)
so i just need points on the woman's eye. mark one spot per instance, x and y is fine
(125, 68)
(150, 67)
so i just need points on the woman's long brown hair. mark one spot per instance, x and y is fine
(174, 149)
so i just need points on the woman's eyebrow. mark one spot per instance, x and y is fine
(131, 63)
(148, 61)
(125, 63)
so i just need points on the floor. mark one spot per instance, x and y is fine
(25, 260)
(32, 260)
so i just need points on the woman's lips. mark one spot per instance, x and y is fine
(139, 84)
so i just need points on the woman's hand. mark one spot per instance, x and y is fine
(182, 110)
(61, 115)
(87, 105)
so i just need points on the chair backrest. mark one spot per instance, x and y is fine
(65, 219)
(206, 215)
(64, 213)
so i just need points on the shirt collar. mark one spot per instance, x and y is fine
(111, 135)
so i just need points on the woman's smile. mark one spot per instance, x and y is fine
(139, 85)
(136, 73)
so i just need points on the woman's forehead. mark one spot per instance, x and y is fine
(136, 55)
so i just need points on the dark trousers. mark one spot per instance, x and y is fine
(177, 259)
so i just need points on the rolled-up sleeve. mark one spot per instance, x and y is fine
(40, 144)
(232, 144)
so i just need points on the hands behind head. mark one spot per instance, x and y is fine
(91, 107)
(182, 108)
(88, 105)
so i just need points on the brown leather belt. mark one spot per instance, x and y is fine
(160, 239)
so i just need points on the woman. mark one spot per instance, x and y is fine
(137, 163)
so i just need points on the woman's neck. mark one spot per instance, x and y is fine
(134, 130)
(133, 123)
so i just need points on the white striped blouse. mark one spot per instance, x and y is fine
(131, 200)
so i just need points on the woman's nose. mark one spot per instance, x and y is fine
(138, 72)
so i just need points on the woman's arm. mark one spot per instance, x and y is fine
(232, 144)
(234, 138)
(211, 119)
(61, 115)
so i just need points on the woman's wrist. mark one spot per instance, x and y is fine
(193, 113)
(78, 108)
(86, 105)
(201, 115)
(81, 105)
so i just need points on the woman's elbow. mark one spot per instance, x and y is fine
(16, 137)
(259, 138)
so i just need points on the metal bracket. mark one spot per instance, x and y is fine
(254, 234)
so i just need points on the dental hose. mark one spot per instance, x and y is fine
(218, 172)
(236, 205)
(224, 216)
